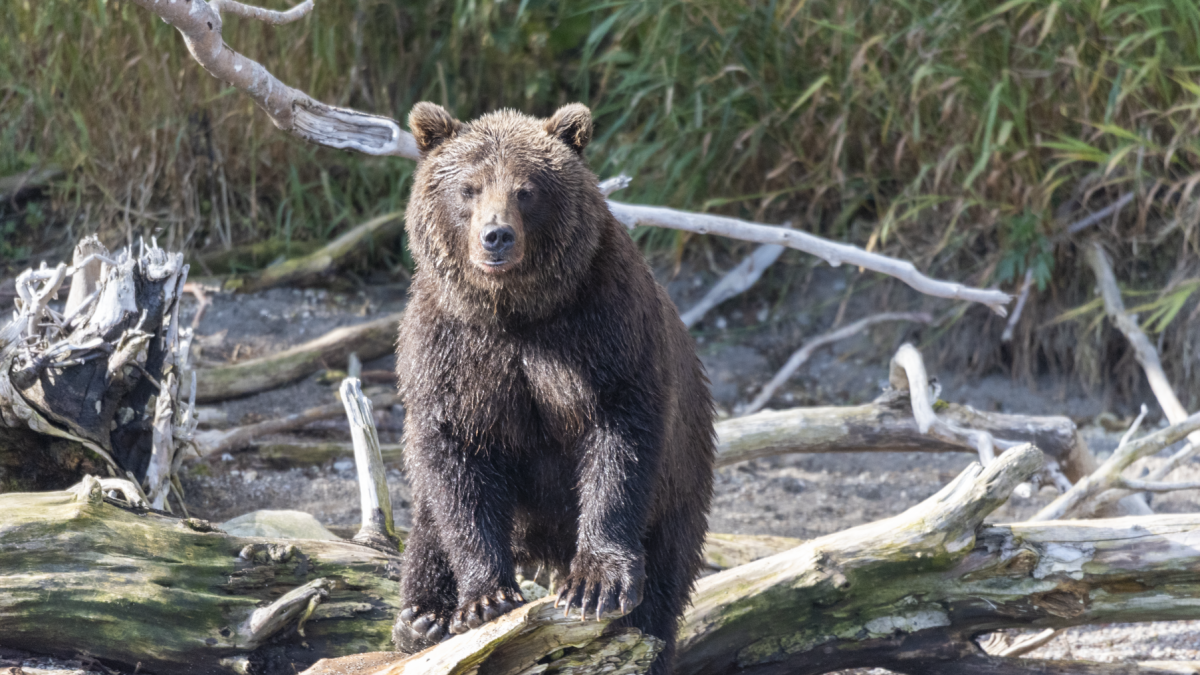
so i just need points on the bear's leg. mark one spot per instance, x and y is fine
(472, 502)
(673, 556)
(617, 461)
(428, 592)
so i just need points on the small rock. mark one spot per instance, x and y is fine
(343, 465)
(788, 484)
(280, 524)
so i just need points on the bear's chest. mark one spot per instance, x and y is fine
(560, 389)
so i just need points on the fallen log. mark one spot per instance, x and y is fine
(887, 425)
(913, 591)
(216, 441)
(79, 572)
(369, 340)
(908, 593)
(312, 268)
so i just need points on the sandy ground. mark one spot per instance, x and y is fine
(798, 496)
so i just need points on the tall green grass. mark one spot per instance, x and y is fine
(961, 134)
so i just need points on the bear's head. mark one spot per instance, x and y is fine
(504, 210)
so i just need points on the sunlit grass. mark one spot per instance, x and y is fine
(961, 134)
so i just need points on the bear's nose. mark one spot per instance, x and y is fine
(497, 240)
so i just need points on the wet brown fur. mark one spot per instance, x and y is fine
(556, 411)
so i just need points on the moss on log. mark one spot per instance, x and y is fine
(319, 264)
(369, 340)
(80, 573)
(907, 593)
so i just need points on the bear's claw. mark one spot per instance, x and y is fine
(602, 591)
(477, 612)
(415, 632)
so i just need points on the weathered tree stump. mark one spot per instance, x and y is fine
(103, 372)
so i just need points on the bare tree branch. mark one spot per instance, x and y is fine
(736, 282)
(834, 253)
(1145, 352)
(1154, 486)
(806, 351)
(290, 109)
(908, 374)
(1021, 300)
(265, 15)
(1108, 475)
(1103, 213)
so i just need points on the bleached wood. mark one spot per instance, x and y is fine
(260, 14)
(86, 277)
(377, 530)
(633, 215)
(904, 593)
(1147, 355)
(210, 442)
(1108, 475)
(800, 356)
(1022, 298)
(896, 593)
(77, 375)
(907, 373)
(290, 109)
(735, 282)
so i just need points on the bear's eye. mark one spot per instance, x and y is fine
(524, 195)
(467, 191)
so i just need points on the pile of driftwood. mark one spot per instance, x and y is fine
(98, 568)
(100, 385)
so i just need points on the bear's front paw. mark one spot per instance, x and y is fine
(475, 613)
(602, 585)
(416, 631)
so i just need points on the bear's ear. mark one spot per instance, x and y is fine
(431, 125)
(572, 124)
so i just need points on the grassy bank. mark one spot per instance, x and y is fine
(963, 135)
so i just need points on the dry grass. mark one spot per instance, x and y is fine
(962, 134)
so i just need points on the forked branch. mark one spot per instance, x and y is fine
(292, 110)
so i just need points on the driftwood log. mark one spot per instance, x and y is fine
(908, 593)
(99, 381)
(82, 573)
(319, 265)
(369, 340)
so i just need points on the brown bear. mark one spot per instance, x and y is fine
(557, 414)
